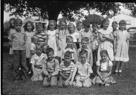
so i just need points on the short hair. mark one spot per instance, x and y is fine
(85, 39)
(69, 38)
(114, 22)
(95, 25)
(68, 54)
(122, 22)
(49, 50)
(18, 21)
(12, 19)
(104, 52)
(39, 24)
(38, 47)
(82, 52)
(25, 26)
(71, 23)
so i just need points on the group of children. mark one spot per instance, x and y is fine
(70, 54)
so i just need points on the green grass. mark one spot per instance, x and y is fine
(126, 84)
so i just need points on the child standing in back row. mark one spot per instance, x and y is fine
(18, 43)
(121, 46)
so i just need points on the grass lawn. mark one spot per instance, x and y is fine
(126, 84)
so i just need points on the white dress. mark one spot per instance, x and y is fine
(106, 45)
(62, 41)
(28, 43)
(52, 40)
(122, 46)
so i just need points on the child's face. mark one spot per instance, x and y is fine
(67, 59)
(122, 26)
(71, 28)
(79, 26)
(50, 55)
(51, 25)
(106, 25)
(38, 51)
(114, 26)
(39, 28)
(87, 28)
(18, 27)
(83, 58)
(69, 43)
(29, 27)
(63, 25)
(84, 44)
(103, 56)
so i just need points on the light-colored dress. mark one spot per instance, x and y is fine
(28, 43)
(52, 40)
(104, 69)
(106, 45)
(62, 41)
(122, 46)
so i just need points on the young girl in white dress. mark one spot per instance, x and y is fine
(106, 40)
(104, 70)
(28, 27)
(62, 33)
(121, 46)
(52, 37)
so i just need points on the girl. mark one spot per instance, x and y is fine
(121, 46)
(73, 33)
(87, 33)
(84, 70)
(106, 40)
(28, 27)
(104, 70)
(52, 37)
(66, 70)
(114, 26)
(11, 30)
(62, 33)
(51, 69)
(38, 61)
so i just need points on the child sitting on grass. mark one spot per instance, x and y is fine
(66, 69)
(83, 70)
(51, 69)
(104, 70)
(38, 60)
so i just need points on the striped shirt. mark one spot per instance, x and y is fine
(42, 37)
(66, 70)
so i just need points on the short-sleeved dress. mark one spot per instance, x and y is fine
(122, 46)
(28, 43)
(106, 45)
(104, 69)
(52, 40)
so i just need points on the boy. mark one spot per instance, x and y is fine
(66, 69)
(83, 70)
(51, 69)
(84, 43)
(38, 60)
(70, 47)
(17, 41)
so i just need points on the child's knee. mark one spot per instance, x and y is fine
(45, 82)
(54, 81)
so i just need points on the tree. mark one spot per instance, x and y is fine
(53, 8)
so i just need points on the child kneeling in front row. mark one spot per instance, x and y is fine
(38, 61)
(66, 69)
(83, 70)
(51, 69)
(104, 70)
